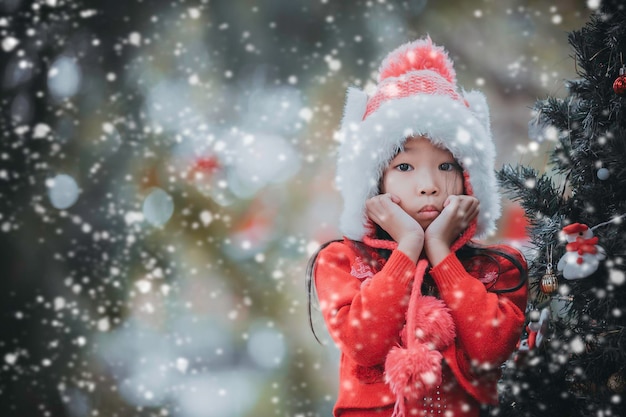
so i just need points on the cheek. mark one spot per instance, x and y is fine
(382, 185)
(454, 185)
(390, 183)
(458, 186)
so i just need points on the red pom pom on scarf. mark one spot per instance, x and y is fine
(413, 371)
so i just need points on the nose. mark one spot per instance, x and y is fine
(427, 186)
(428, 190)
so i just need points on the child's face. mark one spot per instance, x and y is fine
(423, 176)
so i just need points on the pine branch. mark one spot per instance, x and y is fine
(535, 193)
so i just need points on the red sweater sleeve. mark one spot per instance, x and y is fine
(488, 324)
(364, 319)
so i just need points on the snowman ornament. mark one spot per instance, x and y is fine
(583, 254)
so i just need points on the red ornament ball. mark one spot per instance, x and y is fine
(549, 283)
(619, 85)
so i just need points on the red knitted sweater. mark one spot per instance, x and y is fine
(364, 309)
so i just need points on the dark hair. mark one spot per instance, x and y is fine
(473, 249)
(469, 250)
(310, 286)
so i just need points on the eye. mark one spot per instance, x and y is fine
(449, 166)
(404, 167)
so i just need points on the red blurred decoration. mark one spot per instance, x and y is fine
(256, 226)
(515, 225)
(619, 85)
(206, 165)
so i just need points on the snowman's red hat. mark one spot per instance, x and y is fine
(575, 228)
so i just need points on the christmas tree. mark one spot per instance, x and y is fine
(572, 358)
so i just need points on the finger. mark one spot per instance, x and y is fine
(375, 203)
(473, 206)
(449, 200)
(470, 199)
(471, 213)
(470, 216)
(379, 209)
(389, 200)
(457, 206)
(378, 201)
(467, 203)
(476, 211)
(394, 198)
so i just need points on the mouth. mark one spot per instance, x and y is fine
(428, 212)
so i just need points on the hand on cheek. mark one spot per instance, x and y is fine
(459, 211)
(385, 210)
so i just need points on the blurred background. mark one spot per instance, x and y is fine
(166, 171)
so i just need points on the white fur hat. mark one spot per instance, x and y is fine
(416, 95)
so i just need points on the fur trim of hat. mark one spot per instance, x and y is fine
(416, 95)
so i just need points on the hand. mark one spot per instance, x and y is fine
(385, 210)
(458, 212)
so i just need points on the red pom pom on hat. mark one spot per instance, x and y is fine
(415, 68)
(415, 56)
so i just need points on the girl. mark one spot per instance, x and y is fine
(423, 316)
